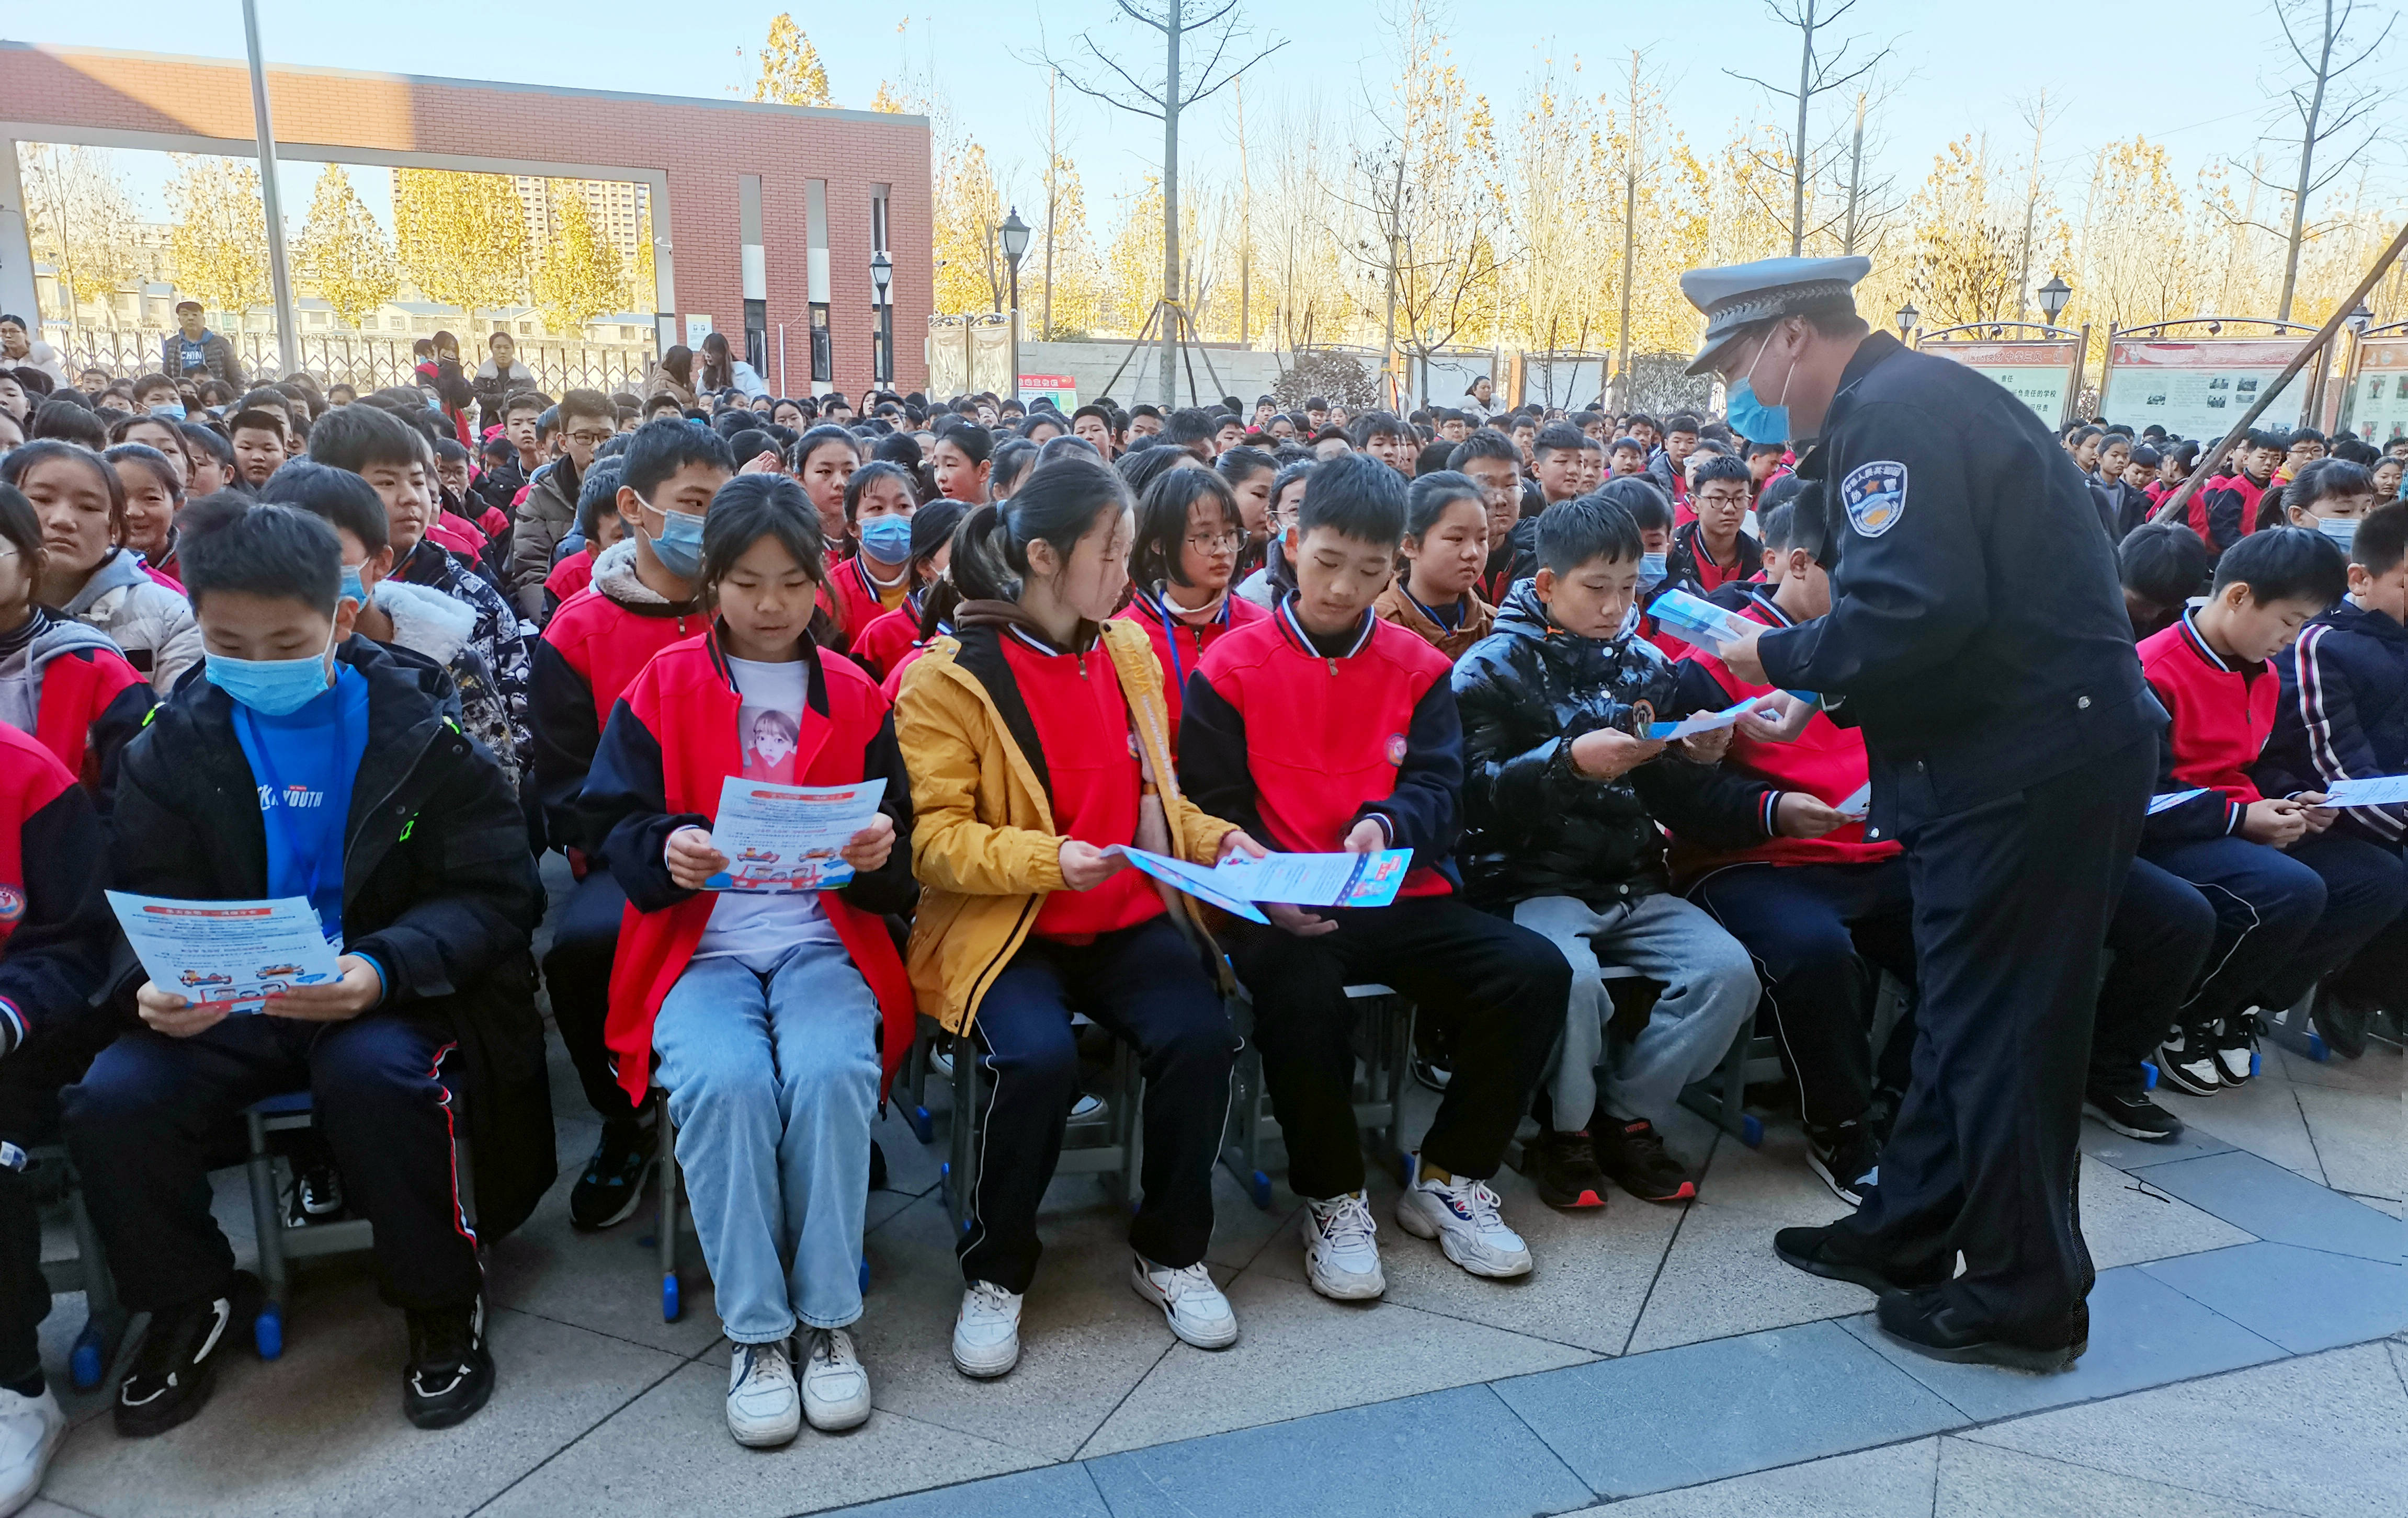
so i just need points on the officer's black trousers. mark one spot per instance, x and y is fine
(2011, 902)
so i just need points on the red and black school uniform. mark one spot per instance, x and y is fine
(1178, 644)
(880, 647)
(2284, 916)
(55, 932)
(854, 599)
(590, 652)
(2225, 509)
(1691, 559)
(1297, 739)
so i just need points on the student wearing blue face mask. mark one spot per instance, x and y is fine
(878, 503)
(403, 835)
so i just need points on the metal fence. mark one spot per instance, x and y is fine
(361, 363)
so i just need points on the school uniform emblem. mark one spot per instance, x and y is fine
(1875, 496)
(1396, 749)
(12, 904)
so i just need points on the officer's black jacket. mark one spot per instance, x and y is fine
(1534, 827)
(1978, 638)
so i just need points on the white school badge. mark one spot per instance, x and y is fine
(1875, 496)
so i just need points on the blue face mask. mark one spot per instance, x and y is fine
(1755, 420)
(174, 410)
(1652, 570)
(887, 539)
(679, 545)
(2342, 530)
(271, 687)
(353, 588)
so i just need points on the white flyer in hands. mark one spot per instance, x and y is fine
(1319, 879)
(2172, 799)
(1701, 722)
(222, 952)
(1858, 803)
(1699, 620)
(1195, 880)
(782, 839)
(2370, 791)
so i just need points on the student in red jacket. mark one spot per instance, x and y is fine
(1323, 729)
(54, 943)
(2294, 896)
(876, 576)
(881, 647)
(774, 1018)
(1189, 533)
(646, 595)
(62, 683)
(2225, 509)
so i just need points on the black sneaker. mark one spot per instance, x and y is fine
(1929, 1324)
(2236, 1048)
(451, 1371)
(1562, 1168)
(1633, 1153)
(2341, 1024)
(1827, 1253)
(176, 1366)
(2187, 1061)
(614, 1181)
(2134, 1115)
(316, 1196)
(1845, 1156)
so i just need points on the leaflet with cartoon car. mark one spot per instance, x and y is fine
(781, 839)
(220, 953)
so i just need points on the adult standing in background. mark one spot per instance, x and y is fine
(20, 348)
(497, 379)
(1977, 636)
(193, 348)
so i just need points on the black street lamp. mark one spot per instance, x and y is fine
(2053, 296)
(881, 365)
(1015, 244)
(1908, 317)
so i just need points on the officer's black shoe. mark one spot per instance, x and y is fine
(451, 1371)
(176, 1366)
(1844, 1155)
(614, 1181)
(2341, 1024)
(1827, 1253)
(1929, 1324)
(2134, 1115)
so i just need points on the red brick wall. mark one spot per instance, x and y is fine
(702, 146)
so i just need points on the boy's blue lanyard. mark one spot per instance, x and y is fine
(1171, 626)
(1461, 612)
(353, 745)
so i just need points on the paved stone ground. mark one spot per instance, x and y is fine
(2247, 1355)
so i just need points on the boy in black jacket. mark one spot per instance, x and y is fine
(402, 834)
(1562, 789)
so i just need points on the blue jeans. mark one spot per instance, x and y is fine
(772, 1082)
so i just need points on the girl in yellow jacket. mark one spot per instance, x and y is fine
(1036, 741)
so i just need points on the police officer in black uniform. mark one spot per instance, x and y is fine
(1977, 637)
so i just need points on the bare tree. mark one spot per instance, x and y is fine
(1866, 205)
(1817, 75)
(2036, 117)
(1217, 28)
(2325, 108)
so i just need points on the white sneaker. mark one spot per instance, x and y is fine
(764, 1407)
(986, 1336)
(1342, 1259)
(835, 1384)
(30, 1430)
(1461, 1215)
(1197, 1311)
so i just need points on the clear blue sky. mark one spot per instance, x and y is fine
(2112, 70)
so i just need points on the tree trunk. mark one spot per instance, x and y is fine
(1177, 17)
(1053, 166)
(1630, 243)
(1797, 143)
(2307, 163)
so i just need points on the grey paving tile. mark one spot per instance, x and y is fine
(1240, 1230)
(669, 1452)
(1720, 1277)
(1064, 1491)
(2273, 1203)
(1391, 1460)
(1981, 1480)
(2109, 1147)
(2142, 1333)
(2379, 1072)
(1298, 1353)
(319, 1431)
(1893, 1482)
(2358, 1137)
(2388, 1206)
(2303, 1299)
(2323, 1435)
(1647, 1423)
(2262, 1117)
(2126, 1220)
(1593, 1269)
(42, 1507)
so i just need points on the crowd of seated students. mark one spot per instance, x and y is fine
(1052, 641)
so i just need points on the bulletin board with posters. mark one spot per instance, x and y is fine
(2038, 373)
(1061, 389)
(2199, 388)
(2375, 406)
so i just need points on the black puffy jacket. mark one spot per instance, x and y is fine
(1535, 828)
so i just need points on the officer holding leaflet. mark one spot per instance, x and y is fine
(1978, 638)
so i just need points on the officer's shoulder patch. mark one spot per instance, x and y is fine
(1875, 496)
